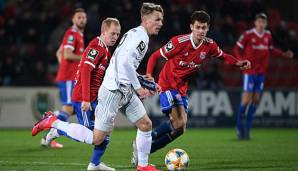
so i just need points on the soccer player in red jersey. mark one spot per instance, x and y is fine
(256, 46)
(89, 77)
(69, 55)
(185, 54)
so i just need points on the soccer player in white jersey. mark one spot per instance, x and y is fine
(120, 91)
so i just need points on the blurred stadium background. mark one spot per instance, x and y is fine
(30, 34)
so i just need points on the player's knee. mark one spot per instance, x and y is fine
(97, 140)
(145, 125)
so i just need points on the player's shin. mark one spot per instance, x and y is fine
(99, 150)
(143, 142)
(249, 120)
(240, 120)
(163, 129)
(165, 139)
(74, 131)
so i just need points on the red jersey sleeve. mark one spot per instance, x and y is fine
(215, 51)
(69, 40)
(243, 39)
(170, 49)
(92, 56)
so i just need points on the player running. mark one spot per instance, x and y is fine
(184, 54)
(69, 55)
(89, 77)
(119, 91)
(255, 45)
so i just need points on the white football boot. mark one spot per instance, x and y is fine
(101, 166)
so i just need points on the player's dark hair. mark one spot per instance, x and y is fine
(78, 10)
(148, 8)
(200, 16)
(261, 15)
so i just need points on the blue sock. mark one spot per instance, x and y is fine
(63, 116)
(161, 142)
(164, 128)
(165, 139)
(240, 120)
(249, 119)
(99, 150)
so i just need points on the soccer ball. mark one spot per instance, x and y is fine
(176, 159)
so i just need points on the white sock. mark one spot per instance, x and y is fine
(75, 131)
(143, 141)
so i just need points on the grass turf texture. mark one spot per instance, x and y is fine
(208, 149)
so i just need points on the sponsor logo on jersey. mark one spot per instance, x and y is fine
(92, 54)
(202, 55)
(141, 47)
(169, 46)
(191, 64)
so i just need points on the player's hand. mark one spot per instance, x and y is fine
(288, 54)
(244, 64)
(143, 93)
(151, 79)
(86, 106)
(148, 77)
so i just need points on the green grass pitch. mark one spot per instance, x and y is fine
(209, 149)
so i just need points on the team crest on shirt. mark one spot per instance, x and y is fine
(141, 47)
(169, 46)
(92, 54)
(202, 55)
(253, 40)
(266, 40)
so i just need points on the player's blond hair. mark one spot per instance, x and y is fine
(148, 8)
(105, 24)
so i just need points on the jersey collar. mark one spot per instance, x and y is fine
(259, 34)
(76, 28)
(193, 43)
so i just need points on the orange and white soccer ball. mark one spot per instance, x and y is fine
(176, 159)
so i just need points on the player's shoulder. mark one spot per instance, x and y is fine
(268, 32)
(97, 42)
(181, 38)
(138, 33)
(248, 32)
(208, 40)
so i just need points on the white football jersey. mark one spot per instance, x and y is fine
(126, 59)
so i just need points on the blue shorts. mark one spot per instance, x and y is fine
(85, 118)
(66, 88)
(253, 83)
(170, 99)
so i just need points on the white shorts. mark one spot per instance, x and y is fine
(110, 102)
